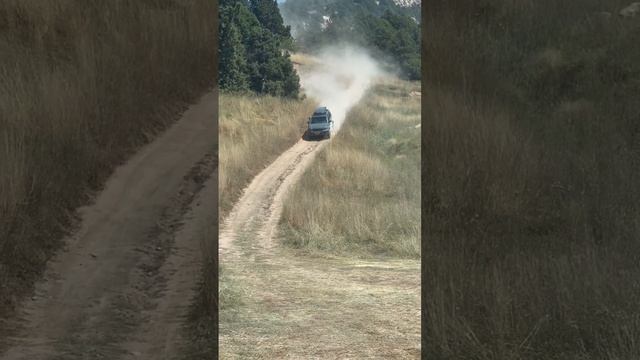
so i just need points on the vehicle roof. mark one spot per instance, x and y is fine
(321, 110)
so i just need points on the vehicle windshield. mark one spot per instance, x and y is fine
(318, 119)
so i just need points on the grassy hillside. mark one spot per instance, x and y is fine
(361, 194)
(82, 84)
(253, 131)
(531, 180)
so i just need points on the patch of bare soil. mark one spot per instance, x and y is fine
(279, 304)
(135, 251)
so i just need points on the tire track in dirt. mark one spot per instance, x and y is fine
(261, 202)
(301, 307)
(97, 292)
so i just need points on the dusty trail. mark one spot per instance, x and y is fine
(261, 201)
(277, 304)
(160, 334)
(135, 249)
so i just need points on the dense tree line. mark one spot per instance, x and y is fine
(396, 36)
(252, 49)
(392, 32)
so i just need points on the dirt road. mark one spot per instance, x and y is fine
(122, 285)
(278, 304)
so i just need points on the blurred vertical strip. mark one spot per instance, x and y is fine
(83, 84)
(531, 165)
(423, 148)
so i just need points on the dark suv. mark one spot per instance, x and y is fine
(320, 123)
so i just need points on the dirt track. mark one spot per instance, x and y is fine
(262, 199)
(135, 258)
(277, 304)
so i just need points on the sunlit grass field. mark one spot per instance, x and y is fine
(361, 196)
(253, 131)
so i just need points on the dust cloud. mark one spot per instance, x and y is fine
(340, 78)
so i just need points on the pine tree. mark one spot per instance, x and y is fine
(291, 83)
(251, 56)
(268, 14)
(233, 65)
(224, 3)
(271, 72)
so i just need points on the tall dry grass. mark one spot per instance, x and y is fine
(361, 195)
(253, 131)
(82, 84)
(202, 318)
(531, 181)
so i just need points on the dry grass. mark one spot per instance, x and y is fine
(530, 177)
(253, 131)
(82, 84)
(351, 308)
(202, 321)
(361, 195)
(301, 307)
